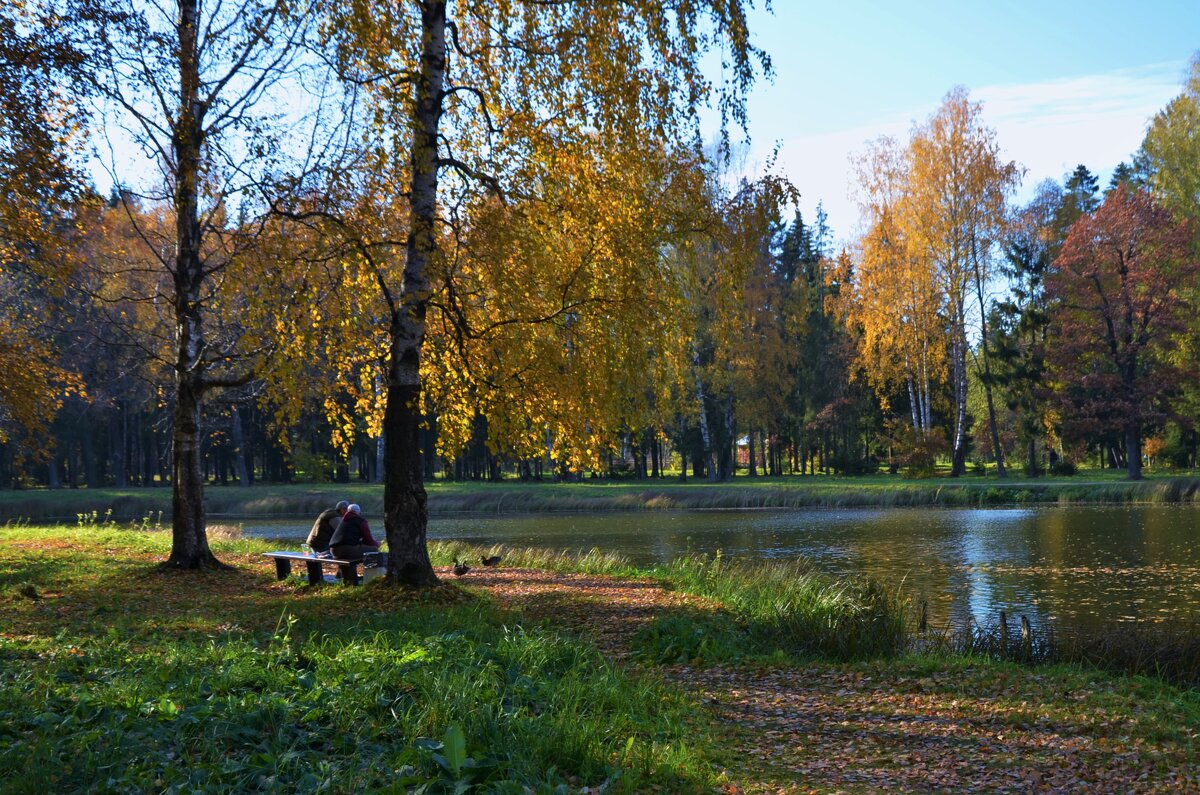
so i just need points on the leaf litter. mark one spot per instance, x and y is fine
(905, 725)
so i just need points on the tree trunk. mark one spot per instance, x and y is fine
(239, 449)
(958, 366)
(146, 442)
(926, 397)
(1133, 450)
(997, 450)
(753, 463)
(189, 539)
(722, 454)
(380, 453)
(53, 478)
(914, 406)
(117, 436)
(429, 437)
(91, 473)
(406, 513)
(705, 432)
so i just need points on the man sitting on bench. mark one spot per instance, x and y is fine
(325, 526)
(353, 536)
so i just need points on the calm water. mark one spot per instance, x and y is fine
(1082, 566)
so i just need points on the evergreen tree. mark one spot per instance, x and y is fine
(1080, 196)
(1019, 329)
(1135, 174)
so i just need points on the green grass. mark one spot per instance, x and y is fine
(337, 704)
(516, 497)
(768, 608)
(118, 677)
(773, 609)
(593, 561)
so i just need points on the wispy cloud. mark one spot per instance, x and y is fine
(1047, 126)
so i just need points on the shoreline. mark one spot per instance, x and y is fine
(460, 499)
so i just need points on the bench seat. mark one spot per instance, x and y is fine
(284, 560)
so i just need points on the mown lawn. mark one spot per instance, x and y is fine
(547, 674)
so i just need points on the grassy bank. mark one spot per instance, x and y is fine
(116, 676)
(515, 497)
(759, 610)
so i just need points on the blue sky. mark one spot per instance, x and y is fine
(1061, 82)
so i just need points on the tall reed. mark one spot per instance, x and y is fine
(789, 606)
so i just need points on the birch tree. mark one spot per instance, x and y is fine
(952, 217)
(197, 88)
(468, 96)
(897, 298)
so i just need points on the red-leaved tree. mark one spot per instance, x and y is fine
(1116, 287)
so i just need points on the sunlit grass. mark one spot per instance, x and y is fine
(768, 607)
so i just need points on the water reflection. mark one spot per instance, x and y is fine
(1085, 566)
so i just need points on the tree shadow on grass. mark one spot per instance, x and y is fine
(648, 630)
(135, 594)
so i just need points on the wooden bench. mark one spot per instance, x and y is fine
(284, 560)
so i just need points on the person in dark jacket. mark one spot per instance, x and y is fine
(353, 536)
(325, 526)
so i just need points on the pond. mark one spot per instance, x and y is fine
(1082, 566)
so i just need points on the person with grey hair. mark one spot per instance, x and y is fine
(353, 536)
(325, 526)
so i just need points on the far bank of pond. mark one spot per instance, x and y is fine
(447, 498)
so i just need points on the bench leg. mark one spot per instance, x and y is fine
(283, 568)
(350, 574)
(314, 572)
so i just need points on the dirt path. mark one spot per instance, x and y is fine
(606, 609)
(827, 728)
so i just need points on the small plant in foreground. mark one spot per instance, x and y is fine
(151, 523)
(91, 519)
(456, 770)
